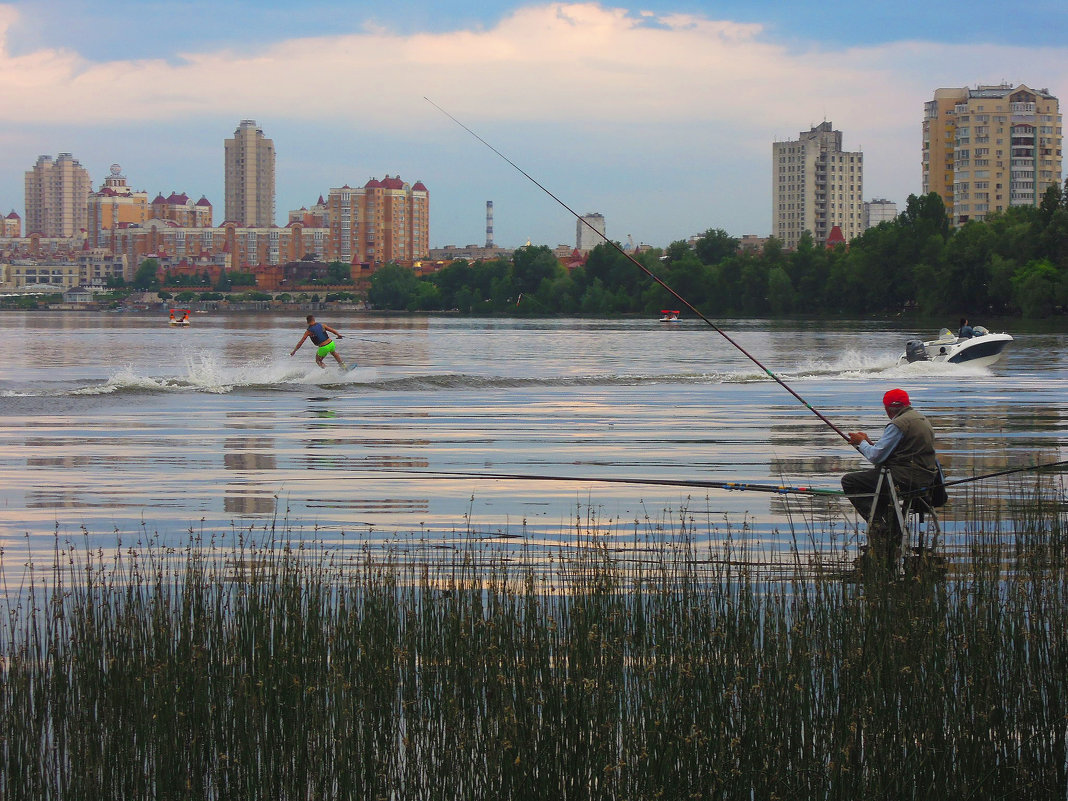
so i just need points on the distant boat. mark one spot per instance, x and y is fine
(180, 321)
(670, 315)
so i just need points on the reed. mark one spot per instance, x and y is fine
(271, 668)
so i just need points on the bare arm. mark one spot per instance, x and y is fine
(332, 331)
(299, 344)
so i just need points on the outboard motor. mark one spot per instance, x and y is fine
(915, 351)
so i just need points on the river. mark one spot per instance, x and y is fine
(120, 428)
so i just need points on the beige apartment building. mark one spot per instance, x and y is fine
(249, 177)
(56, 196)
(816, 186)
(113, 205)
(382, 221)
(231, 245)
(990, 148)
(11, 225)
(181, 210)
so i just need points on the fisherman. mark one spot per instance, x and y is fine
(965, 331)
(907, 449)
(320, 338)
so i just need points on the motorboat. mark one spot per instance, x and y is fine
(981, 349)
(670, 315)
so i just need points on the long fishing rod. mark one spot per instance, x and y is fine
(651, 274)
(734, 486)
(740, 486)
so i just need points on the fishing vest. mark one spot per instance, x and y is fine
(913, 461)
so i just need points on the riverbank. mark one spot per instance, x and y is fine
(305, 669)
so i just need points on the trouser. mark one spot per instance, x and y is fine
(884, 533)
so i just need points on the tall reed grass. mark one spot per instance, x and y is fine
(282, 670)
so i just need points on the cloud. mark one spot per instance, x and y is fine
(574, 84)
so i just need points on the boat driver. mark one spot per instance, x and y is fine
(965, 331)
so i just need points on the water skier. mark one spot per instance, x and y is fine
(320, 337)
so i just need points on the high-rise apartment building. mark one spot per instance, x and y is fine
(589, 232)
(57, 194)
(382, 221)
(250, 177)
(989, 148)
(815, 186)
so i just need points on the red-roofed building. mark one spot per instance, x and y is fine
(179, 209)
(835, 238)
(382, 221)
(11, 226)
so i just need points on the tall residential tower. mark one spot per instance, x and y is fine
(815, 186)
(250, 177)
(589, 232)
(57, 194)
(989, 148)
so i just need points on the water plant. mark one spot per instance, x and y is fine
(274, 668)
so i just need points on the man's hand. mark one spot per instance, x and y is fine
(857, 437)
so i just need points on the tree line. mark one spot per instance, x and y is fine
(1012, 263)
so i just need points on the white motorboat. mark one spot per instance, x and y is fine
(981, 349)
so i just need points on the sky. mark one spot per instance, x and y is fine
(660, 115)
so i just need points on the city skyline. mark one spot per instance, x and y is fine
(660, 117)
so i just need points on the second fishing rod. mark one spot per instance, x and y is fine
(652, 276)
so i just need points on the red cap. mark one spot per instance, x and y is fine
(895, 398)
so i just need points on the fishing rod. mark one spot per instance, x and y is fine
(733, 486)
(1009, 471)
(739, 486)
(651, 275)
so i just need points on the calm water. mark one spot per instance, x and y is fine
(120, 425)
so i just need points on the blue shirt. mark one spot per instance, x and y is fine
(883, 447)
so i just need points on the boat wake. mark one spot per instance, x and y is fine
(204, 372)
(854, 365)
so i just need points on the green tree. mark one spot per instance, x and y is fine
(677, 251)
(426, 297)
(337, 272)
(713, 246)
(780, 291)
(392, 287)
(531, 265)
(1038, 288)
(146, 275)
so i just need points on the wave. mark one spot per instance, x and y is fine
(851, 365)
(203, 372)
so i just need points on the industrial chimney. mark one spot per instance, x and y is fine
(489, 224)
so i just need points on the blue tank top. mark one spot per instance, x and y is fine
(318, 335)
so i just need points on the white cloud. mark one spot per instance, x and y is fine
(599, 80)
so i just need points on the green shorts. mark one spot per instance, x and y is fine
(325, 350)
